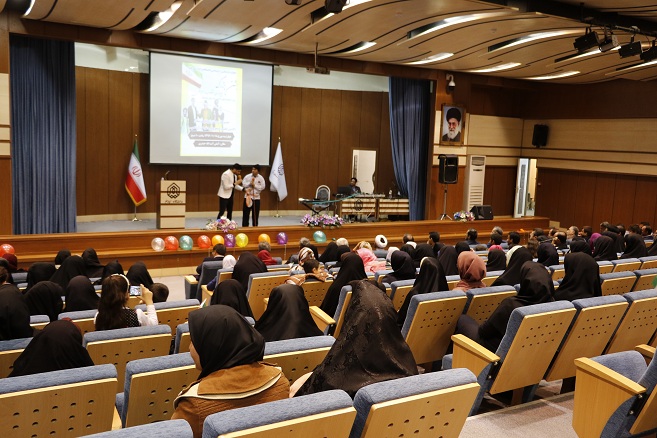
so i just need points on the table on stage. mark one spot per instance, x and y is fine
(373, 205)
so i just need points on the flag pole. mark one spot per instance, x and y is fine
(135, 219)
(277, 201)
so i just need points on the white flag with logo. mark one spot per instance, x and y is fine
(277, 175)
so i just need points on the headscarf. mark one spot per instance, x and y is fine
(72, 267)
(410, 249)
(5, 264)
(57, 347)
(342, 250)
(287, 315)
(472, 270)
(266, 257)
(370, 262)
(536, 286)
(582, 278)
(391, 250)
(369, 349)
(313, 248)
(511, 275)
(635, 247)
(653, 250)
(352, 269)
(619, 241)
(447, 260)
(229, 262)
(330, 253)
(39, 272)
(305, 253)
(12, 260)
(547, 254)
(111, 268)
(580, 246)
(223, 339)
(62, 255)
(402, 267)
(94, 267)
(496, 260)
(461, 246)
(45, 298)
(422, 250)
(430, 279)
(604, 249)
(231, 293)
(81, 295)
(14, 314)
(246, 265)
(138, 274)
(594, 237)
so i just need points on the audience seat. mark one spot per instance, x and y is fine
(426, 405)
(151, 385)
(84, 319)
(532, 337)
(623, 265)
(638, 324)
(399, 290)
(208, 272)
(173, 313)
(9, 352)
(484, 300)
(378, 275)
(163, 429)
(452, 280)
(614, 396)
(617, 283)
(557, 272)
(298, 356)
(491, 277)
(328, 414)
(72, 402)
(279, 267)
(315, 291)
(120, 346)
(605, 266)
(343, 305)
(260, 286)
(649, 262)
(644, 279)
(182, 338)
(39, 321)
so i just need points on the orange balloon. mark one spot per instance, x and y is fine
(171, 243)
(264, 238)
(6, 248)
(203, 242)
(217, 239)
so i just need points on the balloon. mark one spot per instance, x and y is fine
(319, 237)
(186, 243)
(241, 240)
(6, 249)
(157, 244)
(264, 238)
(204, 242)
(170, 243)
(217, 239)
(230, 240)
(281, 238)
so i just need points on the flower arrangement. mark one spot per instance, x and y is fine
(322, 220)
(224, 225)
(463, 216)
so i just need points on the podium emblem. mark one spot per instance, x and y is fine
(173, 191)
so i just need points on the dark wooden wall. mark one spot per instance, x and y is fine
(318, 131)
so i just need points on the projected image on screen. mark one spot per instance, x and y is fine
(211, 110)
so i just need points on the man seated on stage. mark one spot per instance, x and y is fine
(218, 253)
(354, 188)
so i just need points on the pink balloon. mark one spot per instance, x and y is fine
(281, 238)
(6, 249)
(229, 239)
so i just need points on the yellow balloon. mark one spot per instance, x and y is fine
(217, 239)
(264, 238)
(241, 240)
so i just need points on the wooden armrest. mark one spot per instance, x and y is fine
(468, 354)
(472, 347)
(206, 295)
(266, 300)
(315, 311)
(646, 350)
(191, 279)
(608, 376)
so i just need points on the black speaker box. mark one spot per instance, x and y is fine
(448, 169)
(540, 137)
(482, 212)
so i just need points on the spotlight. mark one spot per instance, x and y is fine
(630, 49)
(649, 54)
(587, 41)
(608, 43)
(335, 6)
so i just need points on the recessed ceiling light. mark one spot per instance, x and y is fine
(450, 21)
(264, 34)
(360, 47)
(564, 74)
(529, 38)
(164, 16)
(434, 58)
(507, 66)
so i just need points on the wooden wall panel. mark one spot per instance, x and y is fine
(120, 139)
(499, 189)
(645, 202)
(96, 175)
(605, 187)
(624, 199)
(310, 156)
(81, 149)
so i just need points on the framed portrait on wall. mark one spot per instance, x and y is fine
(452, 124)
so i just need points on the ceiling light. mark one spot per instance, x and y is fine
(573, 56)
(632, 48)
(264, 34)
(609, 42)
(363, 45)
(649, 54)
(335, 6)
(164, 16)
(449, 21)
(507, 66)
(624, 69)
(529, 38)
(587, 41)
(564, 74)
(434, 58)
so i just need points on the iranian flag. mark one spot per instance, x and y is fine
(134, 181)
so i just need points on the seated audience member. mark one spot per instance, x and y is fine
(471, 237)
(228, 263)
(604, 249)
(14, 313)
(571, 233)
(462, 246)
(304, 255)
(39, 272)
(619, 241)
(513, 242)
(231, 293)
(362, 244)
(93, 266)
(304, 242)
(62, 255)
(587, 232)
(496, 260)
(370, 262)
(532, 246)
(511, 275)
(218, 253)
(228, 352)
(113, 312)
(264, 254)
(113, 267)
(497, 230)
(342, 241)
(402, 268)
(635, 247)
(45, 298)
(381, 243)
(430, 279)
(537, 233)
(160, 292)
(138, 274)
(408, 249)
(80, 295)
(391, 251)
(580, 245)
(581, 279)
(330, 253)
(472, 270)
(547, 254)
(634, 229)
(560, 241)
(495, 239)
(421, 251)
(57, 347)
(342, 250)
(287, 315)
(70, 268)
(434, 241)
(535, 287)
(352, 269)
(5, 265)
(369, 348)
(246, 265)
(447, 260)
(408, 239)
(646, 232)
(313, 271)
(12, 261)
(552, 232)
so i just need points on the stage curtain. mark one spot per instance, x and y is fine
(42, 82)
(410, 105)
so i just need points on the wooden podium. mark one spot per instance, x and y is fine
(171, 204)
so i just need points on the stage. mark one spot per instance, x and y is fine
(129, 245)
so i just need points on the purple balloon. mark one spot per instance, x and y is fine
(229, 240)
(281, 238)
